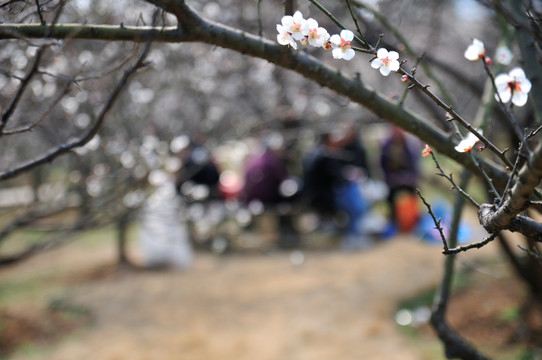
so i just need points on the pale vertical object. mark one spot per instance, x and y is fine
(164, 237)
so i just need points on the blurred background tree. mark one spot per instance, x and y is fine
(112, 92)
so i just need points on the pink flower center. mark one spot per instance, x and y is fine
(344, 44)
(514, 86)
(385, 61)
(313, 34)
(295, 27)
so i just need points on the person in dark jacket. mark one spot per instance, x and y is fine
(399, 163)
(198, 167)
(331, 175)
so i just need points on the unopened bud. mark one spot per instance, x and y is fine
(404, 78)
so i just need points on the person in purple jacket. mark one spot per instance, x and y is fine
(264, 172)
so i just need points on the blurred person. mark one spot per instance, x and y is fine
(263, 179)
(332, 171)
(198, 168)
(399, 162)
(264, 172)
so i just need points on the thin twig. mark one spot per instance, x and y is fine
(41, 118)
(455, 116)
(354, 18)
(452, 181)
(476, 245)
(340, 25)
(437, 222)
(42, 21)
(260, 24)
(64, 148)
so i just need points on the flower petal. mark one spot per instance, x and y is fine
(504, 95)
(335, 40)
(382, 53)
(287, 20)
(519, 98)
(349, 54)
(298, 16)
(394, 65)
(462, 148)
(337, 53)
(502, 79)
(347, 35)
(376, 63)
(393, 55)
(517, 73)
(472, 54)
(384, 70)
(298, 35)
(313, 24)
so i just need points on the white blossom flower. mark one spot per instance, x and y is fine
(503, 55)
(341, 45)
(475, 51)
(295, 25)
(386, 61)
(317, 36)
(514, 86)
(467, 143)
(284, 37)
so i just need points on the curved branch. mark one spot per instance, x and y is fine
(300, 62)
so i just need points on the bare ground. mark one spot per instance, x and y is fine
(335, 305)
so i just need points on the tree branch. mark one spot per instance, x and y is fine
(64, 148)
(495, 219)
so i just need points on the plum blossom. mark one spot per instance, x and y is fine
(467, 143)
(503, 55)
(514, 86)
(284, 37)
(295, 25)
(341, 45)
(317, 36)
(386, 61)
(475, 51)
(426, 150)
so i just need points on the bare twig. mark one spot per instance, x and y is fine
(340, 25)
(452, 181)
(41, 118)
(354, 18)
(476, 245)
(20, 91)
(437, 222)
(64, 148)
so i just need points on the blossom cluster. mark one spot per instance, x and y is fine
(295, 28)
(306, 31)
(513, 86)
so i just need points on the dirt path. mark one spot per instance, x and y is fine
(334, 305)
